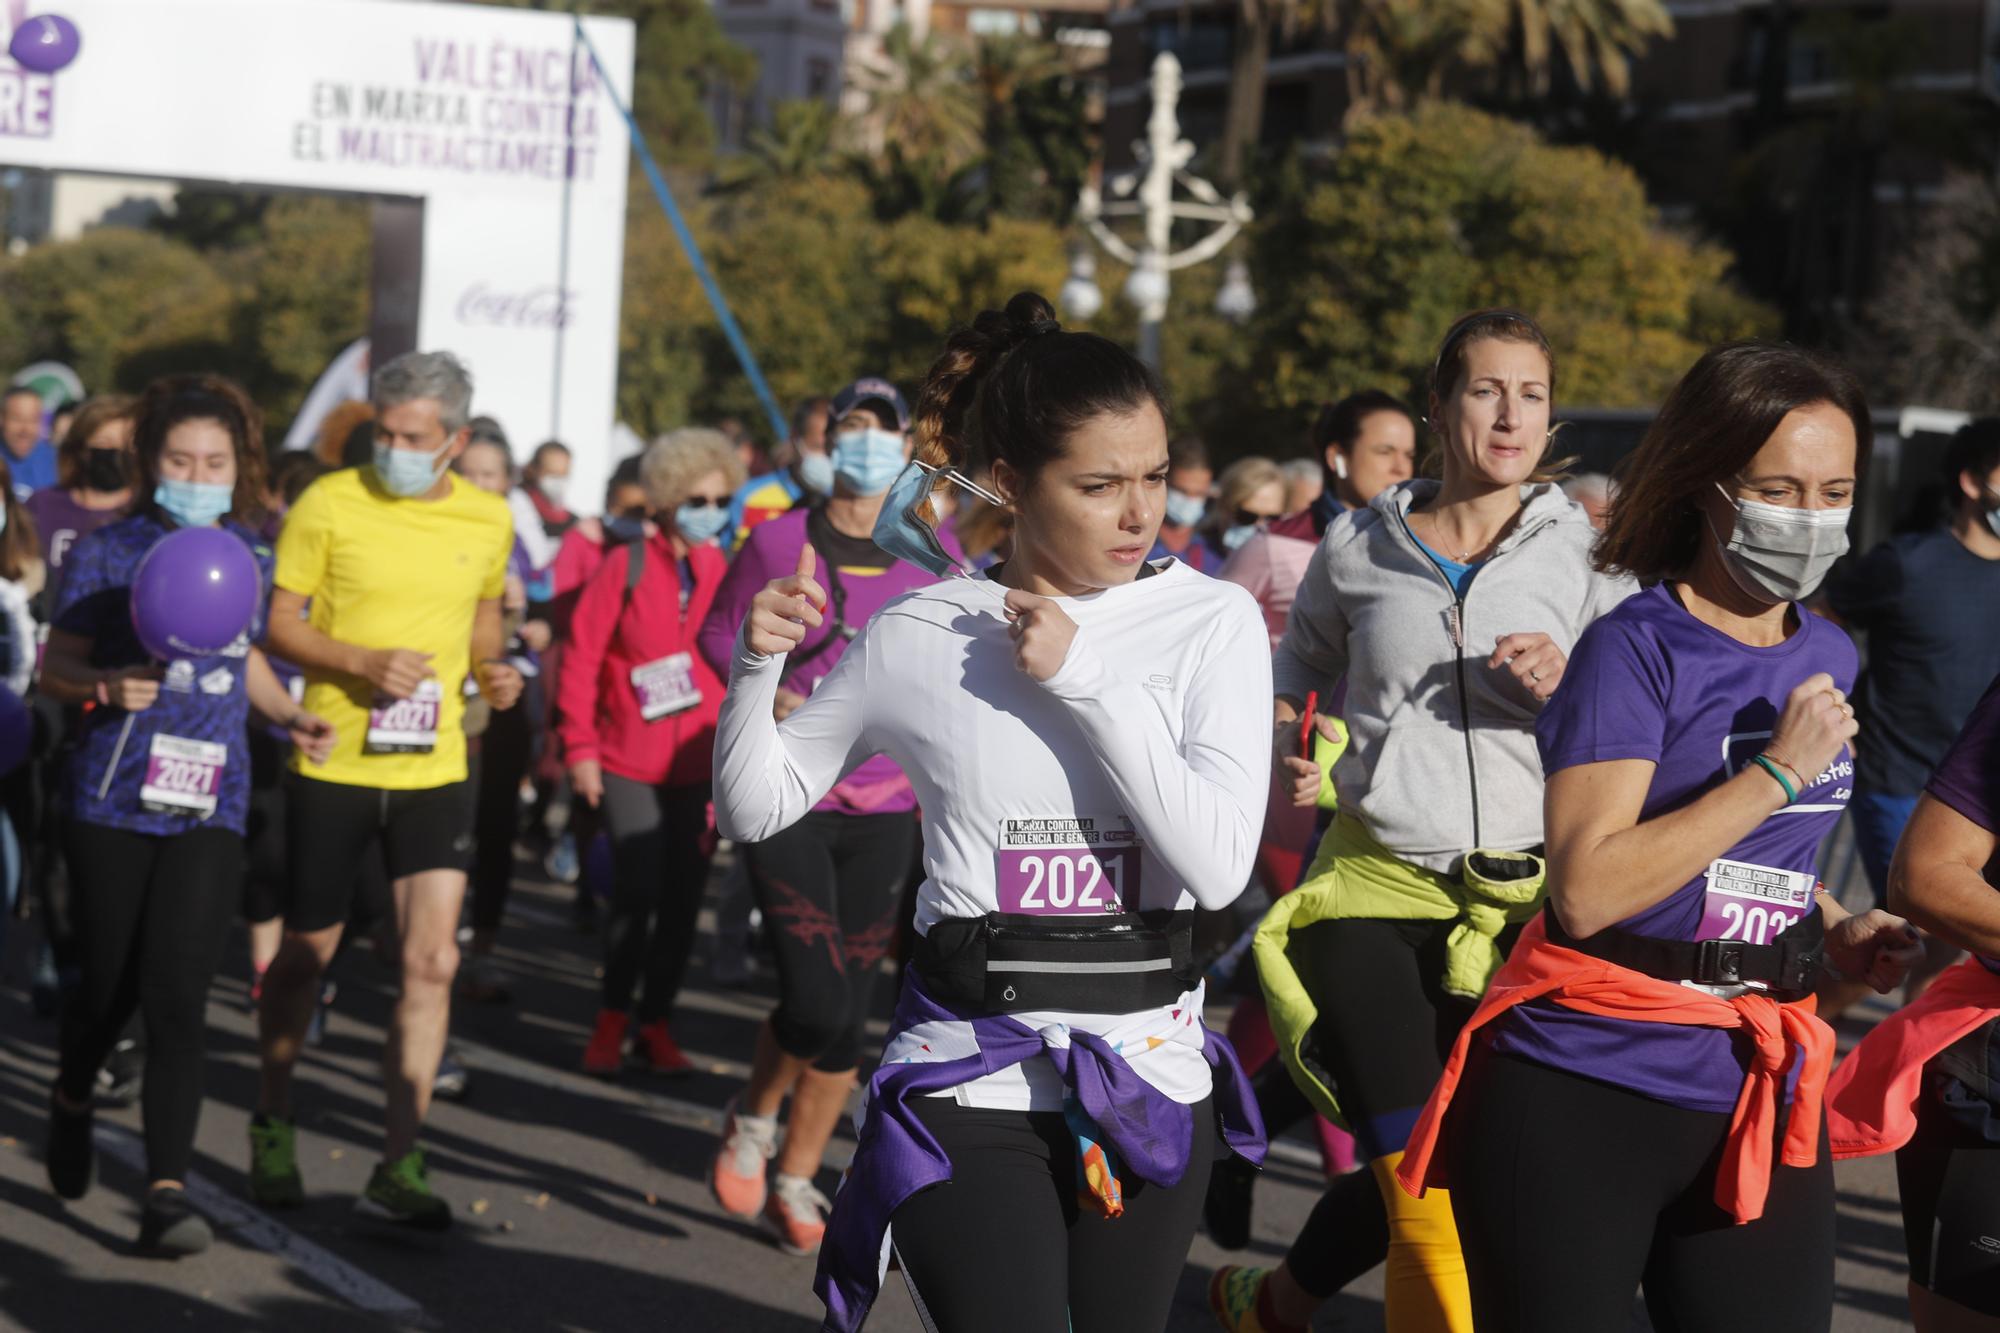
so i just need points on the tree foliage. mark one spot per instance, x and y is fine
(1935, 328)
(1427, 216)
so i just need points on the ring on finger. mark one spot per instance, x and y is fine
(1535, 676)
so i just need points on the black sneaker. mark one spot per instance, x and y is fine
(1225, 1211)
(170, 1228)
(72, 1153)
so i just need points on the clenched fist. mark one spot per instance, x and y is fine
(782, 613)
(1042, 632)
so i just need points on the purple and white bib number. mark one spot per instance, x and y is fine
(1753, 903)
(665, 687)
(1078, 866)
(183, 776)
(405, 726)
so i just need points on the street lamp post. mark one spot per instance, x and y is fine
(1147, 193)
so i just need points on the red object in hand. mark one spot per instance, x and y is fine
(1307, 720)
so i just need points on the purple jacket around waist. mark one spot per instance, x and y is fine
(897, 1156)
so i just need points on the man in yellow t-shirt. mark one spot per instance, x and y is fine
(388, 588)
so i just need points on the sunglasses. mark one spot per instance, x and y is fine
(707, 502)
(1245, 518)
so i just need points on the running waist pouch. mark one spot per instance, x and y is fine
(1005, 963)
(1791, 965)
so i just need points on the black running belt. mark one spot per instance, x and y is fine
(1005, 963)
(1790, 965)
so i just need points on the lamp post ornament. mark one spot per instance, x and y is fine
(1147, 192)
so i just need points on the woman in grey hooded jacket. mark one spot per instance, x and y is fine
(1449, 606)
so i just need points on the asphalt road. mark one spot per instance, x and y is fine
(581, 1204)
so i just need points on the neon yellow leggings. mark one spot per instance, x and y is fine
(1424, 1288)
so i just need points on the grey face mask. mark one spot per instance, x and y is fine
(1993, 514)
(1780, 554)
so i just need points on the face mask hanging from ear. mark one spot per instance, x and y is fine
(902, 532)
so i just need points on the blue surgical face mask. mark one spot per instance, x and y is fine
(1993, 514)
(698, 523)
(902, 534)
(625, 527)
(868, 460)
(1234, 537)
(1184, 510)
(194, 504)
(816, 473)
(406, 473)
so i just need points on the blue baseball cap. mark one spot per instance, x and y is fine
(869, 389)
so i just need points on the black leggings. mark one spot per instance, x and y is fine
(1004, 1248)
(830, 888)
(1569, 1194)
(504, 750)
(151, 914)
(1949, 1175)
(659, 870)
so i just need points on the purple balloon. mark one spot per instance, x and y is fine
(45, 43)
(195, 593)
(17, 731)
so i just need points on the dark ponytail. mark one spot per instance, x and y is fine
(1015, 386)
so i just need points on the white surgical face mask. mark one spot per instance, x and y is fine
(1779, 554)
(554, 489)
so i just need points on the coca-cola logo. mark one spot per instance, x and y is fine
(536, 308)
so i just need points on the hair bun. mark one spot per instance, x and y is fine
(1042, 326)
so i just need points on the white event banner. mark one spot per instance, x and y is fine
(495, 118)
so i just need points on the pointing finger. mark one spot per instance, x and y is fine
(808, 561)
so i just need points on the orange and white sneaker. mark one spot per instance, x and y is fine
(796, 1214)
(655, 1050)
(606, 1051)
(736, 1177)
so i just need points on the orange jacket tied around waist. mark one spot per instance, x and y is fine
(1871, 1100)
(1538, 970)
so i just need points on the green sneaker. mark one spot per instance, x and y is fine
(400, 1192)
(274, 1163)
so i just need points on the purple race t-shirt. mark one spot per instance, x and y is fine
(186, 761)
(1968, 779)
(1649, 681)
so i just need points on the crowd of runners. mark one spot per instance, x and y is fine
(1005, 698)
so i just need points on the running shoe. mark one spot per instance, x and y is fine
(606, 1053)
(655, 1050)
(1233, 1298)
(72, 1154)
(1225, 1210)
(122, 1076)
(274, 1163)
(170, 1228)
(561, 863)
(737, 1177)
(453, 1080)
(795, 1213)
(400, 1192)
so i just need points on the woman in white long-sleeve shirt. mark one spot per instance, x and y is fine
(1082, 728)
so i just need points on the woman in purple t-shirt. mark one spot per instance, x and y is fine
(1696, 755)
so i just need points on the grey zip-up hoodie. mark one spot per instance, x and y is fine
(1441, 757)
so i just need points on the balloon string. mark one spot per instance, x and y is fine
(117, 752)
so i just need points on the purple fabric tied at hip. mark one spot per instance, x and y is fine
(897, 1155)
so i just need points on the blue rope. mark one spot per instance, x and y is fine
(744, 356)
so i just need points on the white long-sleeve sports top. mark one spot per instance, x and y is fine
(1134, 778)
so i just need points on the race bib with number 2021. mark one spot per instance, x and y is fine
(1069, 866)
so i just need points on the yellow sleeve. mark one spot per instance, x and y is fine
(304, 542)
(495, 583)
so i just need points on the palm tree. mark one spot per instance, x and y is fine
(922, 98)
(1596, 39)
(797, 144)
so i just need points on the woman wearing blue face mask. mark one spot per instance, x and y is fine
(638, 706)
(840, 870)
(156, 865)
(1249, 497)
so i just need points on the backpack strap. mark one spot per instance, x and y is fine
(635, 569)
